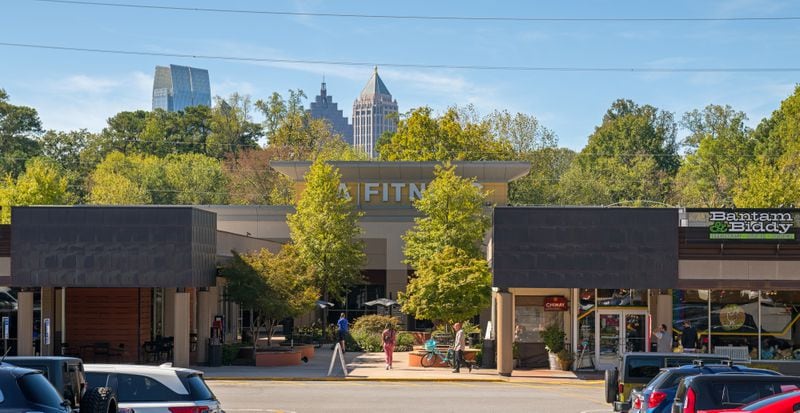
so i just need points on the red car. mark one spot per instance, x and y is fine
(779, 403)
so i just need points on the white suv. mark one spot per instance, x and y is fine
(155, 389)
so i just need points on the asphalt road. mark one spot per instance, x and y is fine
(417, 397)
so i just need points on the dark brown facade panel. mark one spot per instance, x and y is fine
(113, 247)
(733, 284)
(5, 240)
(585, 247)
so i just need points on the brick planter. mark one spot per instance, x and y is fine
(307, 350)
(415, 357)
(278, 358)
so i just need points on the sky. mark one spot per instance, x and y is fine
(74, 90)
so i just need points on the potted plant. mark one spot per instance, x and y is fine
(553, 337)
(565, 359)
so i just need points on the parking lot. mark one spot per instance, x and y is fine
(372, 396)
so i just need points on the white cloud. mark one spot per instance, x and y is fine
(80, 101)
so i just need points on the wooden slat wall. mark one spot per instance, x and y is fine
(108, 315)
(5, 240)
(694, 244)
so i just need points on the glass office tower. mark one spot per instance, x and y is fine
(176, 87)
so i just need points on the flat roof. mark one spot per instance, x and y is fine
(354, 171)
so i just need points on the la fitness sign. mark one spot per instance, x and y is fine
(751, 225)
(384, 192)
(555, 303)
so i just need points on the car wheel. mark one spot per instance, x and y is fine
(611, 385)
(99, 400)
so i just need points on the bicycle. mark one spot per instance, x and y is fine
(429, 359)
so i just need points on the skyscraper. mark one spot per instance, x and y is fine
(371, 114)
(176, 87)
(323, 107)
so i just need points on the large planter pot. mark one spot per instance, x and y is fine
(565, 364)
(553, 361)
(278, 358)
(307, 350)
(415, 357)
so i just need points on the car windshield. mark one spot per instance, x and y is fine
(38, 390)
(198, 388)
(736, 394)
(656, 382)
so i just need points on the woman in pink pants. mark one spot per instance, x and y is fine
(389, 336)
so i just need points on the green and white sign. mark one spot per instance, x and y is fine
(751, 225)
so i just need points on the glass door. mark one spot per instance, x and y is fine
(619, 332)
(609, 339)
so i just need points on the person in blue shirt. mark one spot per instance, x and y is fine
(344, 327)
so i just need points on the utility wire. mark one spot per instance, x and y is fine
(413, 65)
(423, 17)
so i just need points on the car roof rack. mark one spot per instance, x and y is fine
(698, 363)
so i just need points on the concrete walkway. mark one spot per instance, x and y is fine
(371, 366)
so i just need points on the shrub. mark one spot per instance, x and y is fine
(367, 341)
(229, 353)
(405, 342)
(374, 323)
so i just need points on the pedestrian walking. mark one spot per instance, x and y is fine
(663, 339)
(688, 337)
(389, 337)
(343, 326)
(459, 344)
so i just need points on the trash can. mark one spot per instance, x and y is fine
(214, 355)
(488, 361)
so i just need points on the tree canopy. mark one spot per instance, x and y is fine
(325, 231)
(20, 128)
(42, 183)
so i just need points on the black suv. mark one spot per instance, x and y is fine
(25, 390)
(65, 373)
(728, 391)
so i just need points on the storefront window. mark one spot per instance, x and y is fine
(621, 298)
(586, 329)
(531, 318)
(780, 335)
(734, 319)
(691, 306)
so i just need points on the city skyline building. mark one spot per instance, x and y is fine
(176, 87)
(374, 112)
(323, 107)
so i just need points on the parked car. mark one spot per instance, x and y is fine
(155, 389)
(780, 403)
(27, 390)
(637, 369)
(720, 392)
(658, 395)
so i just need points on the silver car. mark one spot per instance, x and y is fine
(155, 389)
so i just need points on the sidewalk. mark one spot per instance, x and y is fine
(371, 366)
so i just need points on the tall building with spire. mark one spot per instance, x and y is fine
(323, 107)
(374, 112)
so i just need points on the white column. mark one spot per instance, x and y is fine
(180, 314)
(505, 333)
(25, 323)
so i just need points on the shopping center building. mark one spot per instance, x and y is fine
(609, 276)
(139, 283)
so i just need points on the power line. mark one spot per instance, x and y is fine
(414, 65)
(424, 17)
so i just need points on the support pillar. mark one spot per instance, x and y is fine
(169, 315)
(180, 332)
(204, 318)
(25, 323)
(48, 312)
(505, 333)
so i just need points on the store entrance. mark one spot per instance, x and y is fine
(619, 332)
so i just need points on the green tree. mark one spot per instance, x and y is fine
(540, 185)
(120, 180)
(325, 230)
(42, 183)
(272, 286)
(448, 286)
(20, 128)
(773, 180)
(452, 279)
(719, 150)
(196, 179)
(232, 128)
(421, 136)
(251, 181)
(632, 155)
(452, 210)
